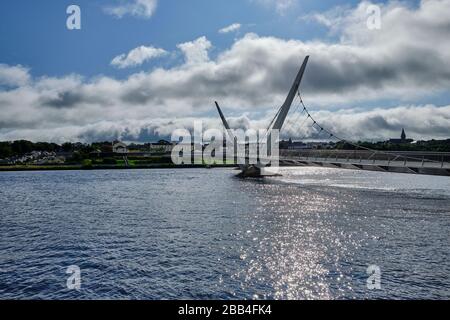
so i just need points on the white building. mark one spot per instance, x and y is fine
(120, 148)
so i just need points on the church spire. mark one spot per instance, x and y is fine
(403, 136)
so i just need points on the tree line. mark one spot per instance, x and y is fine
(21, 147)
(430, 145)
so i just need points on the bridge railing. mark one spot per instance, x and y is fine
(364, 156)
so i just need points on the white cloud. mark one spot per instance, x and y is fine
(137, 57)
(281, 6)
(13, 75)
(196, 51)
(231, 28)
(138, 8)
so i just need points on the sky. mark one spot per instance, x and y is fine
(139, 69)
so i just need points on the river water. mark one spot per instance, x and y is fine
(204, 234)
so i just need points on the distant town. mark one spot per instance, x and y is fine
(23, 154)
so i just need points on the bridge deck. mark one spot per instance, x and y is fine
(414, 167)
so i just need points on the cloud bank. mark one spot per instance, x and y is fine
(427, 121)
(405, 60)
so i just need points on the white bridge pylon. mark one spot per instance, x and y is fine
(277, 122)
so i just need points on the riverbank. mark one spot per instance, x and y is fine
(106, 167)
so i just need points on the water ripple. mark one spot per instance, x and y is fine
(202, 234)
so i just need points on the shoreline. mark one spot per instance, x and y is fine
(112, 167)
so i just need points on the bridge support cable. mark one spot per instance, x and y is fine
(296, 105)
(291, 122)
(308, 117)
(331, 135)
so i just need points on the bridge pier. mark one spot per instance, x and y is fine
(253, 171)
